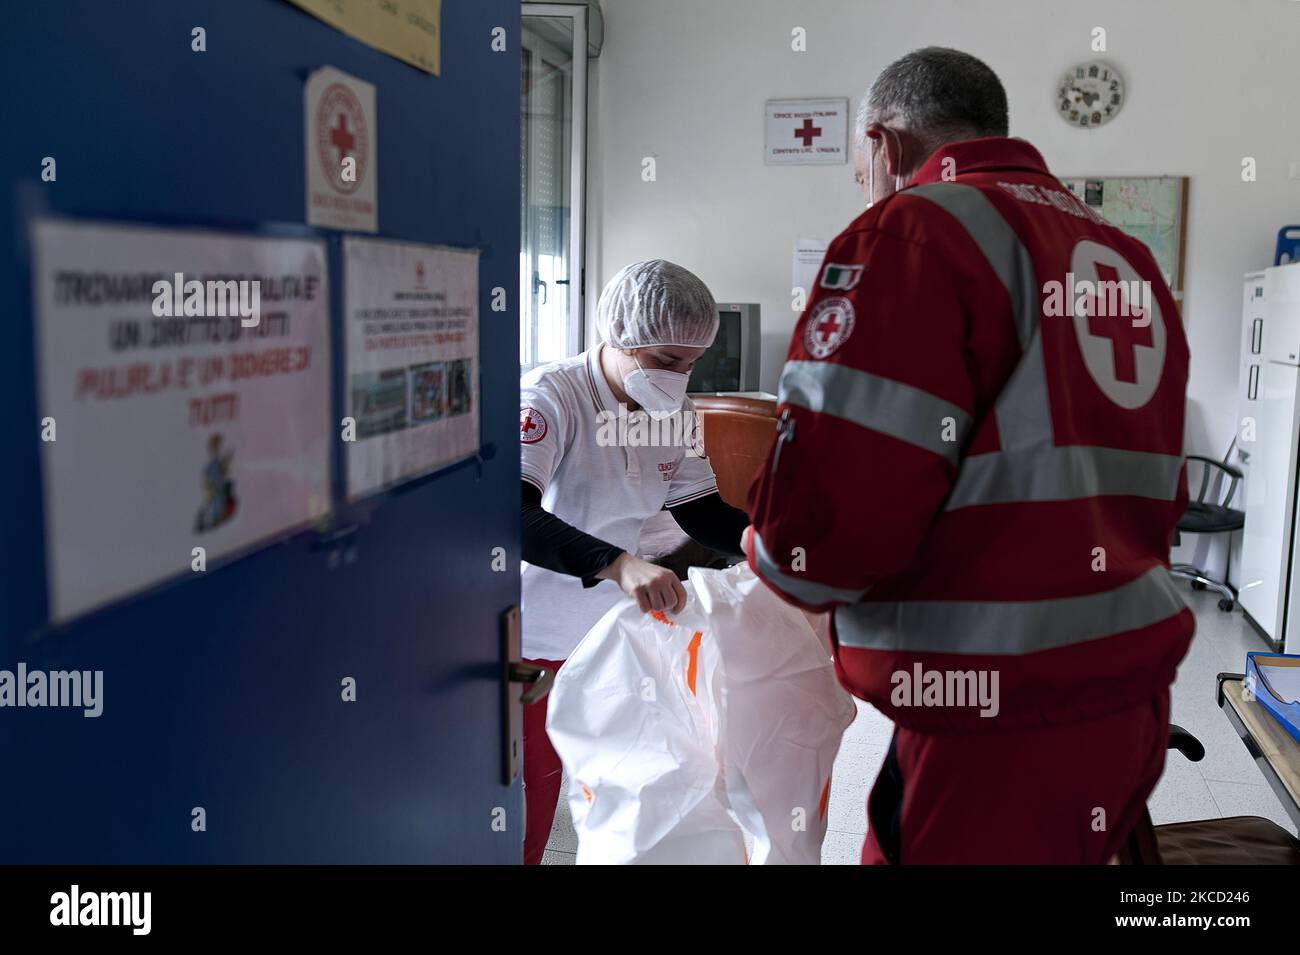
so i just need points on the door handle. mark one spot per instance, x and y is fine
(514, 669)
(541, 679)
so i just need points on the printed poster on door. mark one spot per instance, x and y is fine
(412, 360)
(184, 398)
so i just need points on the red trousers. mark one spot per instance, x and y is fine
(1047, 795)
(541, 776)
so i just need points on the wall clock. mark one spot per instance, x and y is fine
(1090, 94)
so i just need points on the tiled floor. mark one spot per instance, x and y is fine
(1225, 783)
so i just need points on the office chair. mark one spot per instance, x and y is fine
(1206, 517)
(1237, 840)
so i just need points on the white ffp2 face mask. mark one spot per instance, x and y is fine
(657, 390)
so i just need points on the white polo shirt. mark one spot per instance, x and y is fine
(605, 489)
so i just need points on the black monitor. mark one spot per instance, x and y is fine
(732, 361)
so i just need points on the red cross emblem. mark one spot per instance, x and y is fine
(1123, 353)
(532, 425)
(341, 139)
(341, 133)
(808, 132)
(829, 325)
(1124, 335)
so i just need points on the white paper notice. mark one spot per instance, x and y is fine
(342, 141)
(412, 359)
(807, 262)
(807, 131)
(178, 422)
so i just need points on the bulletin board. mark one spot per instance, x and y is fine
(1152, 209)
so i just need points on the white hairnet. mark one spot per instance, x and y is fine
(656, 303)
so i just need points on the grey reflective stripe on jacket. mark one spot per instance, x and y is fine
(1064, 474)
(1010, 628)
(881, 404)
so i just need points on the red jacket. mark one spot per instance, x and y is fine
(980, 461)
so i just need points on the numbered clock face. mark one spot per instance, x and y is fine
(1090, 94)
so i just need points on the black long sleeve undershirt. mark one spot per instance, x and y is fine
(713, 522)
(559, 546)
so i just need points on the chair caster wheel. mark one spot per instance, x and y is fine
(1197, 585)
(1225, 604)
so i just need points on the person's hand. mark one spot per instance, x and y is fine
(746, 539)
(651, 586)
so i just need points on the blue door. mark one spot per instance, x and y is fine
(222, 689)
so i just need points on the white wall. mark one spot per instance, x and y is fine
(1209, 82)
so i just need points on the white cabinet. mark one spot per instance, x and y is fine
(1267, 405)
(1247, 403)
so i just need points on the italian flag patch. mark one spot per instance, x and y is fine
(840, 276)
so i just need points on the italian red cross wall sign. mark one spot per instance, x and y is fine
(807, 131)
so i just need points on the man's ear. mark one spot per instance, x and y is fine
(890, 140)
(898, 147)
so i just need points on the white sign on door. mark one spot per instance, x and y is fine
(173, 416)
(807, 131)
(806, 264)
(342, 151)
(412, 359)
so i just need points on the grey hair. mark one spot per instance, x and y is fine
(937, 94)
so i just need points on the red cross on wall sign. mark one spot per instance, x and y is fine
(808, 132)
(1124, 335)
(342, 139)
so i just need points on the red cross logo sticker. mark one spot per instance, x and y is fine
(342, 133)
(1122, 343)
(341, 139)
(828, 327)
(532, 425)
